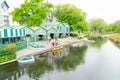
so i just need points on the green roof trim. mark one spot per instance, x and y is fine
(5, 33)
(16, 31)
(11, 32)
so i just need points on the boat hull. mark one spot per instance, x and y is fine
(26, 59)
(57, 48)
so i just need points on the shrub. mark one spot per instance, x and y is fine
(7, 57)
(8, 52)
(10, 48)
(73, 34)
(92, 35)
(115, 37)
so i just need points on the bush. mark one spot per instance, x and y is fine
(8, 49)
(73, 34)
(8, 52)
(92, 35)
(115, 37)
(7, 57)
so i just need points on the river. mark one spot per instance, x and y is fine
(80, 61)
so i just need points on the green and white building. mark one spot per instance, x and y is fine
(12, 34)
(52, 29)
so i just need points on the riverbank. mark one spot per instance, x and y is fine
(34, 51)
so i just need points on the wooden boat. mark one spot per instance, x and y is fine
(26, 59)
(57, 48)
(64, 40)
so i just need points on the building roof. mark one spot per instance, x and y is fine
(4, 3)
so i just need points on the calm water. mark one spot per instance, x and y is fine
(81, 61)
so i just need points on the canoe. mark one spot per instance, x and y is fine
(57, 48)
(26, 59)
(64, 40)
(37, 45)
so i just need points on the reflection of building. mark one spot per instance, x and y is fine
(13, 75)
(4, 17)
(55, 56)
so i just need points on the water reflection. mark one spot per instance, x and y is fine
(11, 71)
(99, 42)
(74, 58)
(66, 59)
(39, 68)
(117, 45)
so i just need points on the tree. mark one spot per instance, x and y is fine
(115, 27)
(31, 13)
(97, 24)
(72, 15)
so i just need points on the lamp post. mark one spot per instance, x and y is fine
(47, 21)
(0, 38)
(27, 34)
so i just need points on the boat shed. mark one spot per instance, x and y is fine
(52, 29)
(14, 34)
(11, 34)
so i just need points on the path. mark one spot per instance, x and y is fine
(34, 51)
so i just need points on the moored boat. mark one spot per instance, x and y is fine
(57, 48)
(26, 59)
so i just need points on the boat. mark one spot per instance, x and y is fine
(26, 59)
(37, 45)
(57, 48)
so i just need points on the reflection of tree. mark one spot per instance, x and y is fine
(99, 41)
(8, 69)
(38, 68)
(117, 45)
(74, 58)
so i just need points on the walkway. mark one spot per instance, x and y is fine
(34, 51)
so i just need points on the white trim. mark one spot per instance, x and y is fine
(8, 32)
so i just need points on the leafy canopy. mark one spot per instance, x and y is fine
(97, 24)
(115, 27)
(72, 15)
(31, 12)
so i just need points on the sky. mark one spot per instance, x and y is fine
(109, 10)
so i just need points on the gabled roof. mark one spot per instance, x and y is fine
(13, 27)
(7, 25)
(4, 3)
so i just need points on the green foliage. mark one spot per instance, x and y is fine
(31, 13)
(74, 58)
(92, 35)
(72, 15)
(8, 49)
(7, 57)
(97, 25)
(82, 26)
(115, 27)
(38, 68)
(73, 34)
(99, 41)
